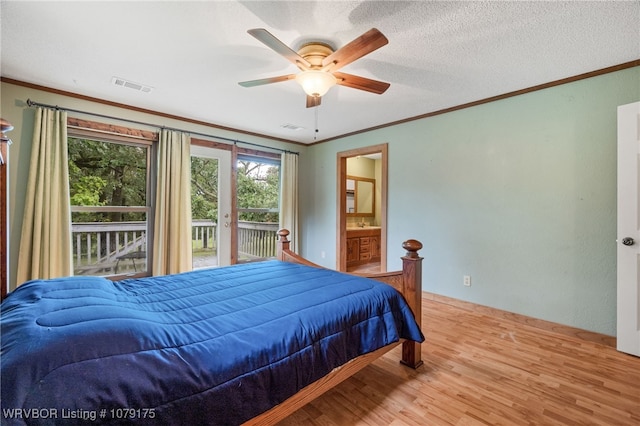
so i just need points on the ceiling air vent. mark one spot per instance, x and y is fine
(131, 85)
(291, 127)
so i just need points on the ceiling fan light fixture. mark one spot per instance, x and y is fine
(316, 83)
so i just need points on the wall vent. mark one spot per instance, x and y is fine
(117, 81)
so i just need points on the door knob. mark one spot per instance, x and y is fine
(628, 241)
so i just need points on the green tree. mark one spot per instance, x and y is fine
(107, 174)
(113, 174)
(204, 188)
(258, 188)
(86, 191)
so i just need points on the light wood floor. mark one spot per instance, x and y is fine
(367, 268)
(482, 369)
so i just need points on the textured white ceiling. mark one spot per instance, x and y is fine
(440, 54)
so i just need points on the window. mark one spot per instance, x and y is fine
(258, 195)
(110, 205)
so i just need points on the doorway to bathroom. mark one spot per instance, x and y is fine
(362, 209)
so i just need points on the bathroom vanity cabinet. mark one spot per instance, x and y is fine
(363, 245)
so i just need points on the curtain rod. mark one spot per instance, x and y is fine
(95, 114)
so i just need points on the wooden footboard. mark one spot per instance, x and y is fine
(408, 282)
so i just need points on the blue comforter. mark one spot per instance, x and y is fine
(215, 347)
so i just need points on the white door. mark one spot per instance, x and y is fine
(212, 248)
(628, 325)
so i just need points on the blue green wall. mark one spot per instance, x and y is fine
(520, 194)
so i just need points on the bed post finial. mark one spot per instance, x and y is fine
(283, 242)
(282, 234)
(412, 247)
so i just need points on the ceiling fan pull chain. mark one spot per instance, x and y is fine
(315, 136)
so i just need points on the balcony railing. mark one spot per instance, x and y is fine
(108, 248)
(256, 240)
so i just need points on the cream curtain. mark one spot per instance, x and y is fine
(289, 196)
(172, 226)
(45, 243)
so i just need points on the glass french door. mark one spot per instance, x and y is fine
(258, 200)
(211, 207)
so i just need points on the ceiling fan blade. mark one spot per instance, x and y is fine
(363, 45)
(269, 80)
(361, 83)
(276, 45)
(313, 101)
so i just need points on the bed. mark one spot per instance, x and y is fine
(245, 344)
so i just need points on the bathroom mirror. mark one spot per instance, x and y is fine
(361, 196)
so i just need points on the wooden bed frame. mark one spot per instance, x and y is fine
(408, 282)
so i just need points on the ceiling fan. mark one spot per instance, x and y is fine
(319, 64)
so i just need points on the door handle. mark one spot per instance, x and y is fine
(628, 241)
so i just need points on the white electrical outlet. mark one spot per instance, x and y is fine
(322, 254)
(467, 280)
